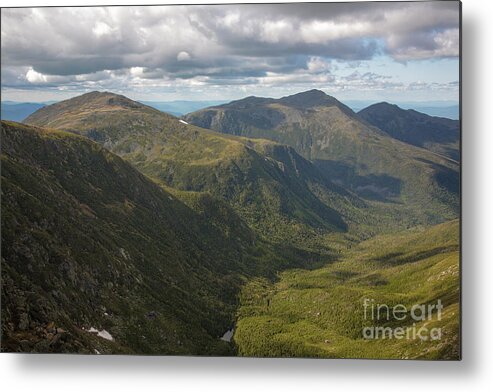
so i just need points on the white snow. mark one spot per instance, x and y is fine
(103, 334)
(228, 335)
(183, 122)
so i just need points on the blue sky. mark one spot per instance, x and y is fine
(397, 51)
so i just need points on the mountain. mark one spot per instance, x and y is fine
(437, 134)
(18, 111)
(415, 185)
(128, 230)
(91, 244)
(447, 109)
(280, 194)
(321, 313)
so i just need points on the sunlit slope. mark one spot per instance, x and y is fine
(280, 194)
(321, 313)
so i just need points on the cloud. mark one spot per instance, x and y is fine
(423, 86)
(35, 77)
(218, 44)
(183, 56)
(368, 81)
(101, 28)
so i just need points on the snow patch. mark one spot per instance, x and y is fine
(228, 335)
(103, 333)
(183, 122)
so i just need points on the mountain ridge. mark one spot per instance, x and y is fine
(437, 134)
(261, 179)
(358, 155)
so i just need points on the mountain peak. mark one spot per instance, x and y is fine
(64, 113)
(247, 102)
(382, 109)
(103, 98)
(384, 105)
(314, 98)
(313, 93)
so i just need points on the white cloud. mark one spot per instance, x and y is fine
(183, 56)
(101, 29)
(137, 72)
(35, 77)
(320, 32)
(448, 42)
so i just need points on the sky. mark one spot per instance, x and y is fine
(397, 51)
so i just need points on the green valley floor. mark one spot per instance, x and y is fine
(322, 313)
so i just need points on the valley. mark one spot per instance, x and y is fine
(321, 313)
(276, 216)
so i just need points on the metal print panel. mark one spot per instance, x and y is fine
(264, 180)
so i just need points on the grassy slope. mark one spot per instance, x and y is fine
(88, 241)
(416, 184)
(319, 313)
(281, 195)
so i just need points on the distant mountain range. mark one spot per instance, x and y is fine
(15, 111)
(18, 111)
(158, 233)
(179, 108)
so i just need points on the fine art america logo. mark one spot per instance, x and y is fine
(418, 313)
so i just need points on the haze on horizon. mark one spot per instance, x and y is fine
(354, 51)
